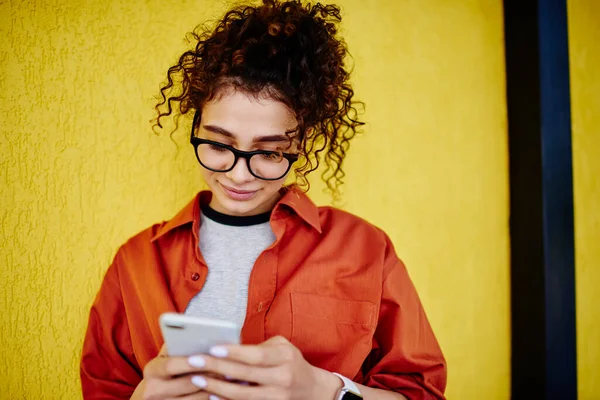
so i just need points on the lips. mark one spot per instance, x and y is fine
(239, 195)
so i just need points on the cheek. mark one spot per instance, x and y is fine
(270, 188)
(206, 175)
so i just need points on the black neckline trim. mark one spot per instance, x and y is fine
(234, 220)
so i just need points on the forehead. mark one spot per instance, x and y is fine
(248, 116)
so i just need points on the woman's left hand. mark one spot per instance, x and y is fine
(275, 370)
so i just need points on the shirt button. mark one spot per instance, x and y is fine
(260, 307)
(195, 276)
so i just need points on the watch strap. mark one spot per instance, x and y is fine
(349, 388)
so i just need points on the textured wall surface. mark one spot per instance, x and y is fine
(81, 171)
(584, 43)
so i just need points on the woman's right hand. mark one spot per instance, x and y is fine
(168, 378)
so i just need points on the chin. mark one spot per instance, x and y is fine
(239, 208)
(236, 207)
(261, 202)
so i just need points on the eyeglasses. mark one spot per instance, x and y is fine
(219, 157)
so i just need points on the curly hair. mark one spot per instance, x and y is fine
(289, 51)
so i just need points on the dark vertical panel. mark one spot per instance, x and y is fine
(541, 197)
(526, 220)
(559, 257)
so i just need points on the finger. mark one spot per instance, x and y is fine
(176, 387)
(167, 367)
(238, 371)
(267, 354)
(195, 396)
(234, 391)
(163, 351)
(276, 340)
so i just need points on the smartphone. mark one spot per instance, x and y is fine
(185, 335)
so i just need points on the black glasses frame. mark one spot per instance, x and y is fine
(246, 155)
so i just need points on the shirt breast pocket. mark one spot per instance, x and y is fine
(331, 333)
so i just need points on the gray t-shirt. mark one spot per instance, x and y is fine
(230, 246)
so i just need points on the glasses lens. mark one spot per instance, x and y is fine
(269, 166)
(215, 157)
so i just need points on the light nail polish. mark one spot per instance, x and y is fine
(218, 351)
(199, 381)
(213, 397)
(197, 361)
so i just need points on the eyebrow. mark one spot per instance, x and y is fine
(259, 139)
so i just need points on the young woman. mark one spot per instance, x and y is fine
(316, 290)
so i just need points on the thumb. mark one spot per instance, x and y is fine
(163, 351)
(276, 340)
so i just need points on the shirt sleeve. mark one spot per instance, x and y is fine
(406, 357)
(108, 367)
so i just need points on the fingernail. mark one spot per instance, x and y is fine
(218, 351)
(199, 381)
(196, 361)
(213, 397)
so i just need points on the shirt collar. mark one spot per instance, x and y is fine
(302, 205)
(293, 198)
(190, 214)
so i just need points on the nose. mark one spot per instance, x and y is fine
(240, 173)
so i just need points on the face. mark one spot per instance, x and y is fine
(246, 123)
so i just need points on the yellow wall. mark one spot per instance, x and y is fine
(81, 171)
(584, 32)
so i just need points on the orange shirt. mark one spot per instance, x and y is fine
(331, 283)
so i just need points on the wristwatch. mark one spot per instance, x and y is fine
(349, 391)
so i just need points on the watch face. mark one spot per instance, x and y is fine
(351, 396)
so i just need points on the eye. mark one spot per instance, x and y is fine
(214, 147)
(272, 156)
